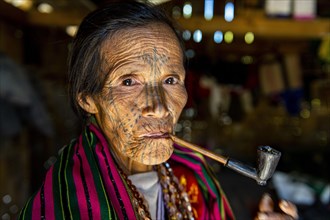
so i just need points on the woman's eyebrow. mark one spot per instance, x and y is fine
(115, 76)
(128, 75)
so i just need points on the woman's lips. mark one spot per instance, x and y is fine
(156, 135)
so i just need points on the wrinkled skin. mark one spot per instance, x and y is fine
(266, 210)
(143, 96)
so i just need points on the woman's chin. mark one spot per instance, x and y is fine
(153, 151)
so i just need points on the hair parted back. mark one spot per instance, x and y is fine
(86, 75)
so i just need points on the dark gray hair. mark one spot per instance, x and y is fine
(86, 75)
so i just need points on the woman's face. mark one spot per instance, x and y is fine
(144, 93)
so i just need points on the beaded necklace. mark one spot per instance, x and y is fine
(175, 197)
(138, 198)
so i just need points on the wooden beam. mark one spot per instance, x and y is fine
(57, 19)
(251, 21)
(261, 27)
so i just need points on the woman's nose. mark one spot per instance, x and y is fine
(155, 102)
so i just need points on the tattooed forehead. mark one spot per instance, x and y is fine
(155, 60)
(154, 57)
(149, 55)
(150, 45)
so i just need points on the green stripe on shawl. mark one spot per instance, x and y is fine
(69, 181)
(26, 212)
(57, 188)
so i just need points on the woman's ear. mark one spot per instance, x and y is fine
(88, 104)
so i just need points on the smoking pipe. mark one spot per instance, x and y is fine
(267, 161)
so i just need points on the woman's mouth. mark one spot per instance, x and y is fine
(156, 135)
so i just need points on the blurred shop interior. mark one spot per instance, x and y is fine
(258, 73)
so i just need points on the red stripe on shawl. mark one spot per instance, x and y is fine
(81, 198)
(48, 193)
(197, 169)
(36, 206)
(199, 204)
(94, 200)
(103, 144)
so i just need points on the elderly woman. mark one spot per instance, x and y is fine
(126, 80)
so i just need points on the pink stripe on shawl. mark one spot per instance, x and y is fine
(96, 210)
(36, 206)
(103, 144)
(82, 203)
(197, 169)
(48, 193)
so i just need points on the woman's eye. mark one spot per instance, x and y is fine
(171, 80)
(127, 82)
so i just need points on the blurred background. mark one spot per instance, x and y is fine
(258, 73)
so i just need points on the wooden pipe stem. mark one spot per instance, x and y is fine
(200, 150)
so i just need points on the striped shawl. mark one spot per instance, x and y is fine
(85, 184)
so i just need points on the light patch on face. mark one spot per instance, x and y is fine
(144, 93)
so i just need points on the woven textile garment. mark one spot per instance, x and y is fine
(85, 184)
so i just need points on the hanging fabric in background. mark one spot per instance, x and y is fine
(20, 103)
(292, 99)
(219, 96)
(293, 70)
(281, 81)
(293, 95)
(278, 8)
(271, 78)
(304, 9)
